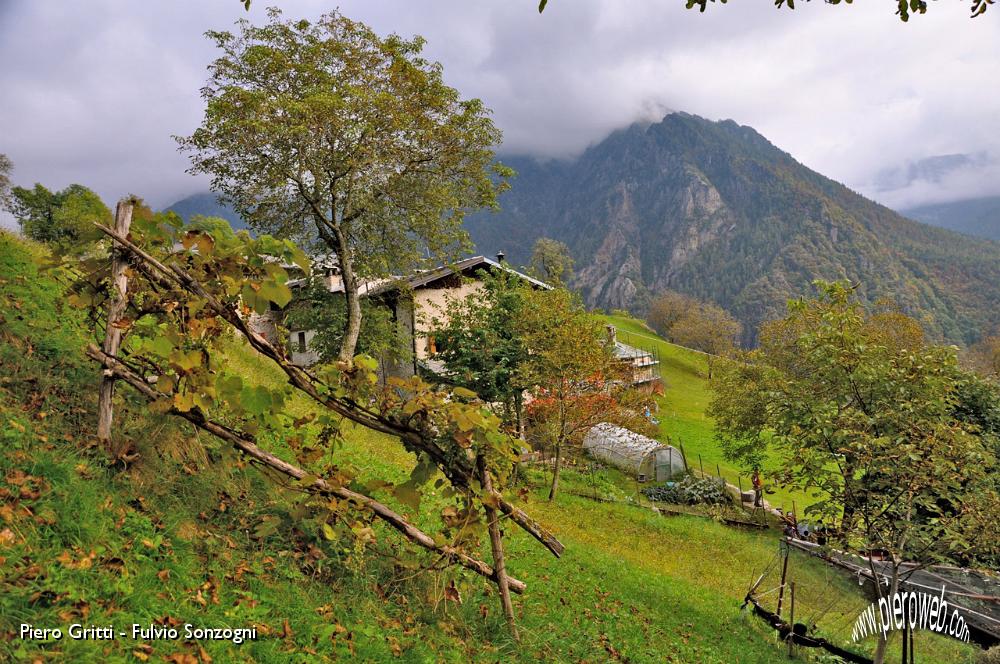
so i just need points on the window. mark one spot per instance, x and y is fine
(301, 341)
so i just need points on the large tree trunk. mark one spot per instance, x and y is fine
(352, 327)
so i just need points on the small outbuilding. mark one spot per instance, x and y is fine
(646, 459)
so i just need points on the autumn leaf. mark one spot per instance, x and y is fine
(408, 495)
(464, 393)
(182, 658)
(451, 593)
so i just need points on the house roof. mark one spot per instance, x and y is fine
(626, 352)
(424, 278)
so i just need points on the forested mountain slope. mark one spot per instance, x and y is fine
(979, 217)
(714, 210)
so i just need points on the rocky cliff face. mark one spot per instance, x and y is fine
(714, 210)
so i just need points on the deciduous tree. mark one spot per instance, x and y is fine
(866, 419)
(710, 329)
(481, 347)
(576, 380)
(551, 261)
(325, 130)
(62, 219)
(984, 356)
(700, 325)
(666, 309)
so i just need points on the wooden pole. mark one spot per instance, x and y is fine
(701, 466)
(113, 333)
(781, 588)
(496, 543)
(906, 654)
(684, 458)
(739, 481)
(791, 622)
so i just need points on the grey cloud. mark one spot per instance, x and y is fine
(92, 92)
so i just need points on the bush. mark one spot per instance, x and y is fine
(689, 491)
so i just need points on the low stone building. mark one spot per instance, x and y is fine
(643, 365)
(415, 302)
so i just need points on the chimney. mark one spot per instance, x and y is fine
(501, 256)
(612, 333)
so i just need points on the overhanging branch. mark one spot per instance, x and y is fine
(246, 444)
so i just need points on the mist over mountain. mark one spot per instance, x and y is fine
(979, 217)
(934, 169)
(936, 180)
(713, 209)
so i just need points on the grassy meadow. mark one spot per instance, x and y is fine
(683, 418)
(190, 532)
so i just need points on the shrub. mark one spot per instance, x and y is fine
(689, 491)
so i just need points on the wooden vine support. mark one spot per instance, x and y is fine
(796, 633)
(496, 544)
(116, 369)
(464, 476)
(113, 332)
(247, 444)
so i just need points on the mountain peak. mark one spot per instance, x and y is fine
(713, 209)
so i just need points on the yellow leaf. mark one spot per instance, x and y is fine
(328, 531)
(184, 401)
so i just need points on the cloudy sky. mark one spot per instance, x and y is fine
(91, 92)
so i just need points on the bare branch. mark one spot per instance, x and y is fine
(246, 444)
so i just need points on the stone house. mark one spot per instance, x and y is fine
(415, 302)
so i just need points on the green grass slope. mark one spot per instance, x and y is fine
(192, 534)
(683, 405)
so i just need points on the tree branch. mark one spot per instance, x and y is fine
(246, 444)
